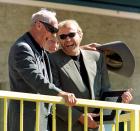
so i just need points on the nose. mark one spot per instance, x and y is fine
(68, 38)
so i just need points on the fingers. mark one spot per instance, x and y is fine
(94, 115)
(91, 122)
(91, 46)
(69, 98)
(94, 44)
(127, 97)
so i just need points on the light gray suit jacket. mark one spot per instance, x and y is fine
(27, 73)
(67, 77)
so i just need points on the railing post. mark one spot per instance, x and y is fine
(139, 120)
(69, 119)
(117, 120)
(113, 127)
(85, 118)
(101, 119)
(37, 115)
(54, 117)
(21, 115)
(125, 126)
(135, 120)
(5, 114)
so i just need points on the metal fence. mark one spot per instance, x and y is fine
(132, 116)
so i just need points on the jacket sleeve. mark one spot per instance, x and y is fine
(27, 67)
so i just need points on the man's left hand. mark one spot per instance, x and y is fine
(127, 96)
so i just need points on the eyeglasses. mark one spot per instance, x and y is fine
(50, 28)
(64, 36)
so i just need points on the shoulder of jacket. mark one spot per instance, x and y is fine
(92, 54)
(21, 46)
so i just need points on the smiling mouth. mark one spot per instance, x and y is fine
(69, 46)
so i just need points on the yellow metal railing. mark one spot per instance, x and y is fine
(133, 116)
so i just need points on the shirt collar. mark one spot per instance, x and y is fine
(76, 58)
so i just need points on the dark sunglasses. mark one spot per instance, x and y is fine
(50, 28)
(64, 36)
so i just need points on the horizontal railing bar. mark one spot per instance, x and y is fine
(57, 99)
(31, 97)
(107, 104)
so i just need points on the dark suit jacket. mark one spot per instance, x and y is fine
(67, 77)
(27, 73)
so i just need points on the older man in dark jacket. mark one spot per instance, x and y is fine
(29, 72)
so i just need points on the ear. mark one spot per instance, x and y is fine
(80, 34)
(38, 25)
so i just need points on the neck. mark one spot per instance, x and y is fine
(72, 53)
(36, 37)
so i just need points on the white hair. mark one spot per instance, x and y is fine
(43, 15)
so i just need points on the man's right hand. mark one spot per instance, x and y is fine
(91, 122)
(91, 46)
(69, 98)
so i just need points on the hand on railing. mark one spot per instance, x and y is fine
(69, 98)
(91, 122)
(127, 96)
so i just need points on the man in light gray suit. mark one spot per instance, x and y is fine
(29, 71)
(81, 72)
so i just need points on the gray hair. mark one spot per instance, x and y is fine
(43, 15)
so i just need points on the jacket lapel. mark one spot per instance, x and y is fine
(46, 59)
(48, 67)
(71, 69)
(90, 66)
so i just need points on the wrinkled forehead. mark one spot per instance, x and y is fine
(67, 28)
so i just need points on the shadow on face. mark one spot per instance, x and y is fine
(51, 46)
